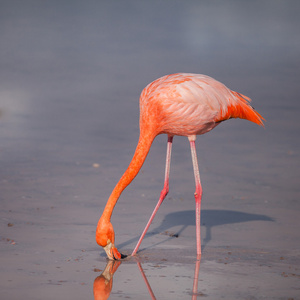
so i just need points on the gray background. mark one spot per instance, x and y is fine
(71, 73)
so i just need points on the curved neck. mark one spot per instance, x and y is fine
(135, 165)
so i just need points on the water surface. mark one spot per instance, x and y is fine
(70, 78)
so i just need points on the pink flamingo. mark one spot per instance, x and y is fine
(177, 104)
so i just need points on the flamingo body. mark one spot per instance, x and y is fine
(191, 104)
(178, 104)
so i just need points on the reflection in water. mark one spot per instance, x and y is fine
(103, 284)
(146, 280)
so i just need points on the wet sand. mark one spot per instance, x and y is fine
(70, 78)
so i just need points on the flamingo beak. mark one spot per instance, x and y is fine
(112, 252)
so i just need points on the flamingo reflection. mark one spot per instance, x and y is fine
(103, 284)
(195, 281)
(146, 280)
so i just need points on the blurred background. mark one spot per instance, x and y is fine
(71, 73)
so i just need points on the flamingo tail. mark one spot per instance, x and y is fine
(242, 109)
(247, 111)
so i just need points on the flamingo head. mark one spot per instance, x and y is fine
(105, 237)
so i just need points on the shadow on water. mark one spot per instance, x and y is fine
(209, 218)
(103, 284)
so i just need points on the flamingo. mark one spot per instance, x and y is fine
(181, 104)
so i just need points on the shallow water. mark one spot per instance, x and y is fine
(70, 78)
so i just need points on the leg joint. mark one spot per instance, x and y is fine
(164, 192)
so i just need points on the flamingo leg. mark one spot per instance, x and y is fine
(196, 277)
(198, 193)
(163, 193)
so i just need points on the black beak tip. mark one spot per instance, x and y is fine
(122, 256)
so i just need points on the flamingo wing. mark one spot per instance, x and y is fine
(187, 104)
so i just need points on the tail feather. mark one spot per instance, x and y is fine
(242, 110)
(246, 111)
